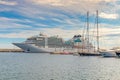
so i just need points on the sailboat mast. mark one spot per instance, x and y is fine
(97, 31)
(88, 29)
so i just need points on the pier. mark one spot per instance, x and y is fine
(11, 50)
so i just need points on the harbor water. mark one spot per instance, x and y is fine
(35, 66)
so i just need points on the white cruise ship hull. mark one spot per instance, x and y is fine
(30, 48)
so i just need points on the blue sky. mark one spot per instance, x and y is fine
(20, 19)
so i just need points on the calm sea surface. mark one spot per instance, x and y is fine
(33, 66)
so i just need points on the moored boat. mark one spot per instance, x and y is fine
(108, 53)
(118, 53)
(90, 50)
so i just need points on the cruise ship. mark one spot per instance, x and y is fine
(44, 44)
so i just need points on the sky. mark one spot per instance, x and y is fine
(20, 19)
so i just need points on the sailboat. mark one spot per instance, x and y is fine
(106, 53)
(88, 50)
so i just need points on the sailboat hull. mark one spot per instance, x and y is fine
(89, 54)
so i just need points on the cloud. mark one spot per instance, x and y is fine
(42, 18)
(20, 34)
(38, 12)
(108, 16)
(54, 2)
(68, 3)
(71, 22)
(48, 31)
(39, 24)
(5, 19)
(58, 20)
(75, 27)
(106, 31)
(6, 23)
(113, 35)
(11, 3)
(75, 5)
(37, 8)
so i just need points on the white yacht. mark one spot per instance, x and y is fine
(109, 53)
